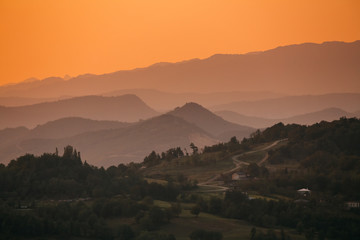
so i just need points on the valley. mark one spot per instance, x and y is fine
(162, 134)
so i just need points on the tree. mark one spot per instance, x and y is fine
(300, 227)
(309, 234)
(152, 159)
(176, 209)
(195, 210)
(253, 233)
(205, 235)
(68, 151)
(155, 236)
(125, 232)
(194, 148)
(234, 140)
(253, 170)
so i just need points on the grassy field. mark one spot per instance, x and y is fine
(231, 229)
(204, 172)
(199, 173)
(158, 181)
(255, 157)
(274, 167)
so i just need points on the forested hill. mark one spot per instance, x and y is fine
(324, 147)
(44, 196)
(338, 137)
(54, 176)
(327, 155)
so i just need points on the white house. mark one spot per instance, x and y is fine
(304, 192)
(238, 176)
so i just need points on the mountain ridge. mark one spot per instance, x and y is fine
(292, 67)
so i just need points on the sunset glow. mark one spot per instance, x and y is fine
(42, 38)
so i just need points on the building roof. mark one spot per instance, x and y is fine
(304, 190)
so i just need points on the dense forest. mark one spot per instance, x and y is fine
(56, 195)
(327, 154)
(57, 189)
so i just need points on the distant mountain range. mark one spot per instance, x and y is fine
(286, 107)
(126, 108)
(68, 127)
(21, 101)
(329, 114)
(296, 69)
(107, 142)
(159, 100)
(164, 101)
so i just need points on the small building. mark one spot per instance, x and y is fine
(352, 205)
(304, 192)
(238, 176)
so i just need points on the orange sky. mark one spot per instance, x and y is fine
(41, 38)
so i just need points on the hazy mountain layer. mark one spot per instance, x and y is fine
(112, 146)
(126, 108)
(286, 107)
(106, 142)
(165, 101)
(67, 127)
(255, 122)
(329, 114)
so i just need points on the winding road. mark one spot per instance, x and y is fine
(211, 183)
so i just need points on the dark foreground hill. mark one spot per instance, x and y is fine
(126, 108)
(62, 196)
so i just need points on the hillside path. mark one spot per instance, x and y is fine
(211, 183)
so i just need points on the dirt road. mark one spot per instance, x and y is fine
(211, 183)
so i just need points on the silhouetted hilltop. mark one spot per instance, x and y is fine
(126, 108)
(211, 123)
(307, 68)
